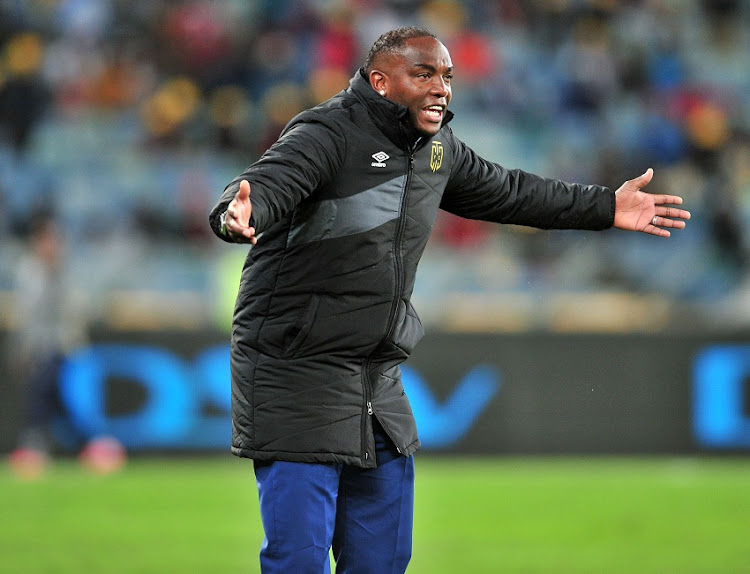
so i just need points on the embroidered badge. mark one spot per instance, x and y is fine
(436, 155)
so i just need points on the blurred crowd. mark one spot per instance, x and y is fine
(124, 119)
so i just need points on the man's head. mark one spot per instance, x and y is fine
(411, 67)
(45, 239)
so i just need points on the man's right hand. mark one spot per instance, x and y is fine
(237, 220)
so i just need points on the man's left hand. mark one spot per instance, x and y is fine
(636, 210)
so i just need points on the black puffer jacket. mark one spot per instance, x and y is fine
(345, 201)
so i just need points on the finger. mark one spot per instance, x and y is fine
(642, 180)
(234, 218)
(672, 212)
(678, 213)
(658, 231)
(247, 235)
(667, 199)
(241, 234)
(245, 208)
(244, 193)
(659, 221)
(233, 225)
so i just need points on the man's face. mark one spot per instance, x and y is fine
(418, 77)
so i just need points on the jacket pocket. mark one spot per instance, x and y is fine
(300, 329)
(408, 331)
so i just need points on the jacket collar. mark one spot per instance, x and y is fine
(391, 118)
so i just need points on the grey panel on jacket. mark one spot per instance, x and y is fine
(346, 216)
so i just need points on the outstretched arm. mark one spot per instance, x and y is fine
(636, 210)
(236, 219)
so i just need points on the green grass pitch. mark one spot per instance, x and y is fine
(558, 515)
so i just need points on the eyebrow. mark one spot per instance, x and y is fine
(431, 68)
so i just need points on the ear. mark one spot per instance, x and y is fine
(379, 82)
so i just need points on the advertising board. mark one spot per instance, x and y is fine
(533, 393)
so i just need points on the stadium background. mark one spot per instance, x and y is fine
(127, 118)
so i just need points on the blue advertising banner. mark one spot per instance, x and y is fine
(471, 393)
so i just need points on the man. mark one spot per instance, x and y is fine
(342, 206)
(50, 325)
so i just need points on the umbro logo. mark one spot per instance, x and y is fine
(379, 158)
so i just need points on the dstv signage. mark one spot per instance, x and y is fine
(522, 393)
(185, 404)
(721, 399)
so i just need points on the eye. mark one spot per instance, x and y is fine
(448, 78)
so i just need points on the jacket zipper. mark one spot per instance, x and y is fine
(399, 279)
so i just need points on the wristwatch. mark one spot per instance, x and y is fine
(223, 221)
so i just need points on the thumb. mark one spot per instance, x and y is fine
(642, 180)
(244, 193)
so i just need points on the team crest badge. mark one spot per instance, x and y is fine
(436, 156)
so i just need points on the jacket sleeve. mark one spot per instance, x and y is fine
(479, 189)
(306, 156)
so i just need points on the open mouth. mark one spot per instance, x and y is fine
(435, 113)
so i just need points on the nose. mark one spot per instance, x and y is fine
(440, 87)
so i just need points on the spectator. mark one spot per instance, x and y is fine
(50, 325)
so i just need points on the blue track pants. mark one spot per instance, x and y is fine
(364, 514)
